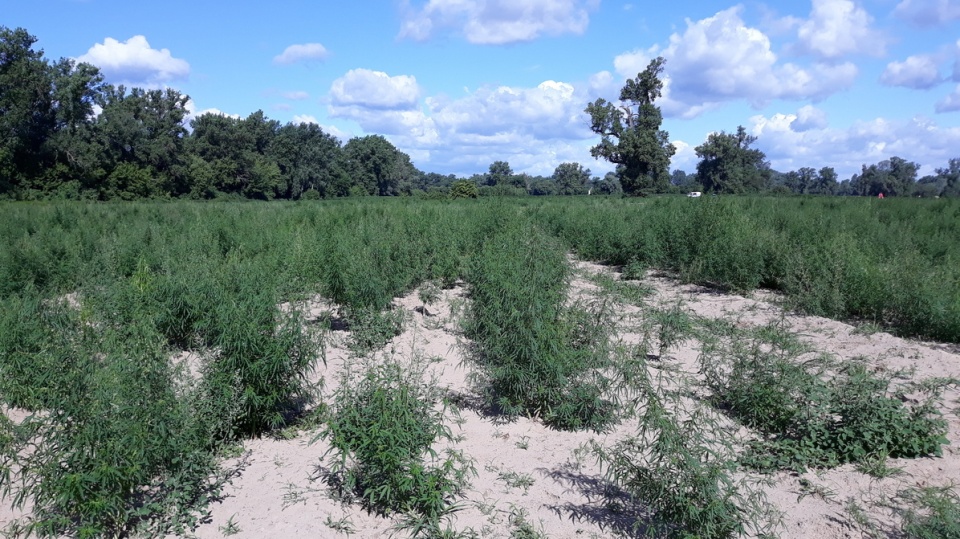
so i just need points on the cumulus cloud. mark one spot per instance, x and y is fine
(550, 110)
(950, 103)
(807, 118)
(134, 62)
(919, 72)
(306, 52)
(927, 13)
(720, 58)
(864, 142)
(534, 128)
(376, 90)
(837, 28)
(497, 22)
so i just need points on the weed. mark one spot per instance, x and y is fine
(230, 528)
(809, 488)
(371, 330)
(810, 418)
(539, 358)
(877, 466)
(935, 513)
(342, 525)
(382, 428)
(522, 528)
(517, 480)
(682, 476)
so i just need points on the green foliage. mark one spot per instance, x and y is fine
(935, 515)
(382, 428)
(119, 449)
(464, 189)
(807, 417)
(571, 179)
(889, 263)
(371, 329)
(678, 473)
(729, 165)
(539, 359)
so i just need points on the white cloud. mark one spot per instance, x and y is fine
(950, 103)
(550, 110)
(534, 128)
(928, 12)
(807, 118)
(864, 142)
(375, 89)
(304, 119)
(496, 22)
(685, 157)
(306, 52)
(296, 95)
(135, 63)
(193, 113)
(918, 72)
(720, 59)
(837, 28)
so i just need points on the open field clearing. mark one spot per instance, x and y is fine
(456, 370)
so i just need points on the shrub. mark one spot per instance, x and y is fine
(807, 416)
(382, 429)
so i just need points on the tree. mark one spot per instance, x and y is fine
(951, 178)
(308, 159)
(826, 182)
(801, 182)
(571, 179)
(729, 165)
(892, 177)
(501, 174)
(26, 109)
(378, 166)
(630, 134)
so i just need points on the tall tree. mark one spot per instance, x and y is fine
(630, 133)
(951, 178)
(378, 166)
(892, 177)
(309, 159)
(140, 138)
(729, 165)
(26, 109)
(571, 179)
(501, 174)
(826, 182)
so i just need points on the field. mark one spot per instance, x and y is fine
(483, 368)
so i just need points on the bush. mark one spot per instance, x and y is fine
(382, 429)
(464, 189)
(810, 418)
(539, 357)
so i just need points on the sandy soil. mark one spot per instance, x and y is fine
(525, 470)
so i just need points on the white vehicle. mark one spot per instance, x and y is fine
(694, 194)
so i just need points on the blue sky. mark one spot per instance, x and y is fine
(458, 84)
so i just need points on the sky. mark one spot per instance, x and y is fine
(459, 84)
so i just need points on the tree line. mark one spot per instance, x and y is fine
(65, 133)
(631, 137)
